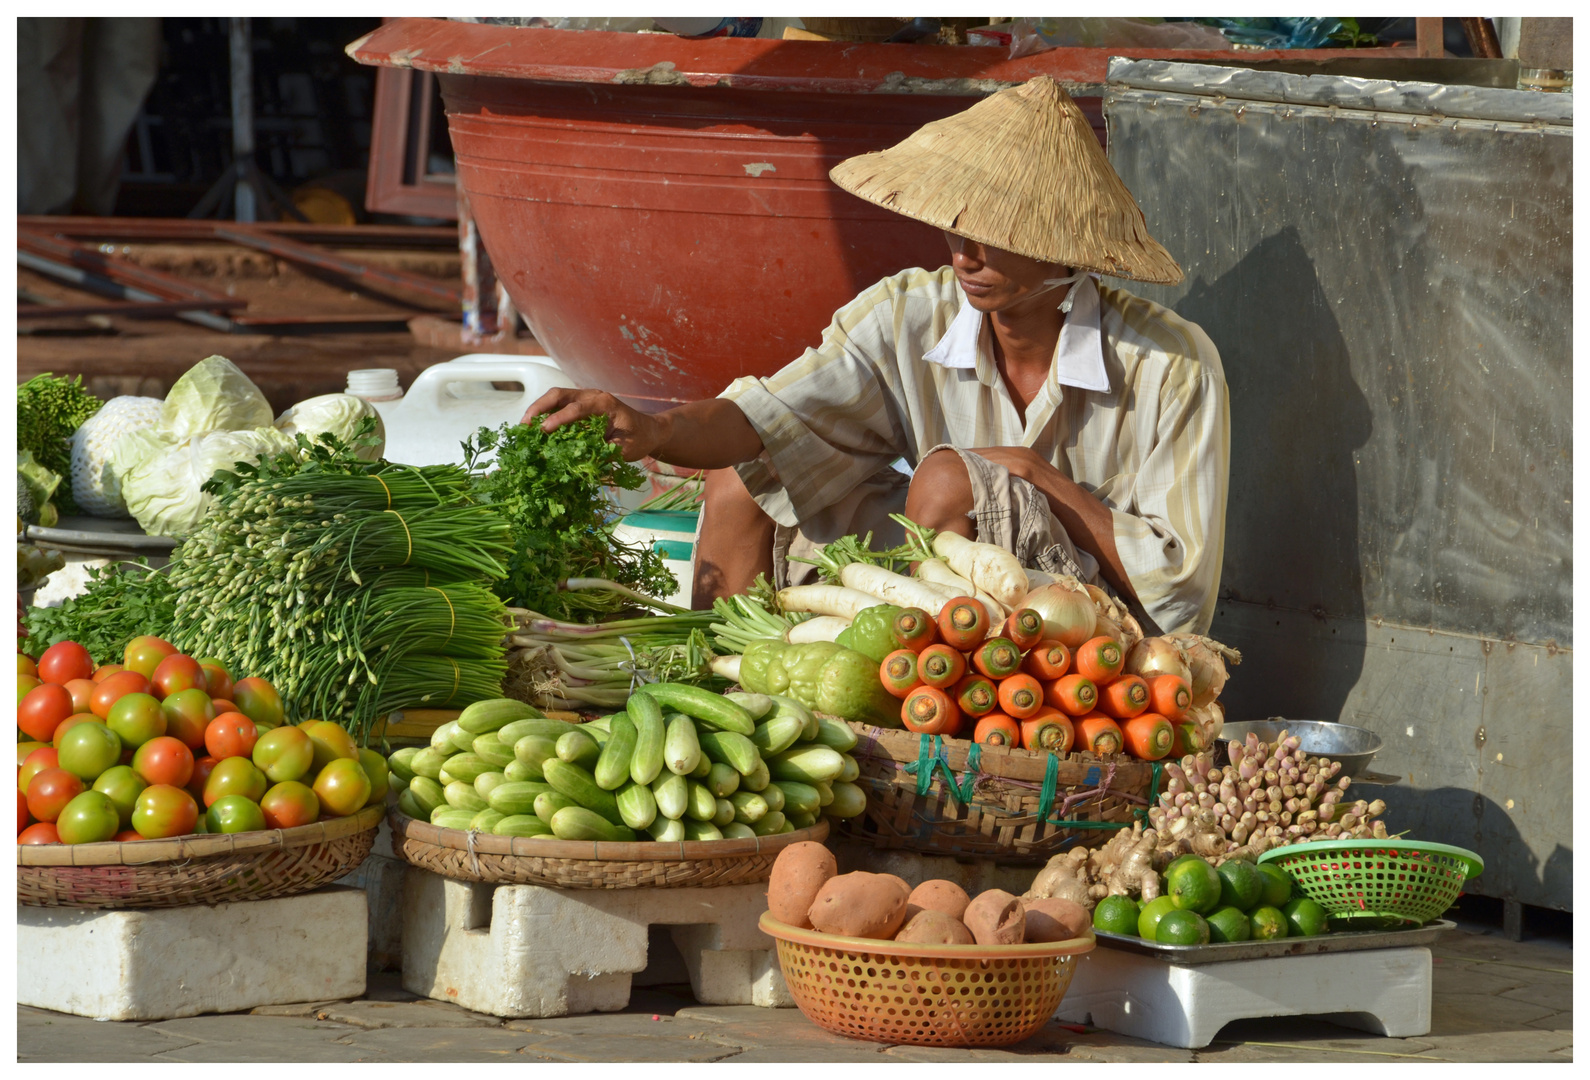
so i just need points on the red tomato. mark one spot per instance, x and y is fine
(234, 776)
(82, 691)
(164, 811)
(36, 762)
(188, 713)
(25, 685)
(230, 735)
(143, 654)
(342, 788)
(164, 760)
(87, 819)
(202, 767)
(122, 786)
(174, 673)
(89, 749)
(217, 680)
(65, 661)
(288, 805)
(113, 688)
(50, 791)
(69, 723)
(26, 748)
(284, 753)
(43, 709)
(41, 833)
(105, 671)
(126, 835)
(137, 718)
(24, 819)
(223, 705)
(258, 700)
(26, 666)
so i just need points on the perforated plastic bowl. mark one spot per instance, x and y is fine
(1364, 883)
(926, 995)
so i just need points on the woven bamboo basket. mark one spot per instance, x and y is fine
(569, 864)
(201, 869)
(955, 797)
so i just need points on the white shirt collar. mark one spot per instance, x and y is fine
(1079, 354)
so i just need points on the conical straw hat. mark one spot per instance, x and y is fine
(1020, 170)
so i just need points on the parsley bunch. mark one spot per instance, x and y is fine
(119, 604)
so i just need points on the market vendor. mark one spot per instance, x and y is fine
(1082, 428)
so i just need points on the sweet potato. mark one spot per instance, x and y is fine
(1054, 919)
(929, 927)
(799, 872)
(860, 904)
(996, 918)
(941, 895)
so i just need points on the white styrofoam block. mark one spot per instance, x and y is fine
(528, 951)
(1386, 991)
(162, 963)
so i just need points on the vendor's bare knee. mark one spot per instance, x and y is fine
(940, 495)
(727, 502)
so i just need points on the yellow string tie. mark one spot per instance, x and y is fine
(456, 677)
(452, 614)
(406, 533)
(384, 488)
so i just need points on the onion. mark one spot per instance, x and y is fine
(1068, 613)
(1156, 656)
(1206, 658)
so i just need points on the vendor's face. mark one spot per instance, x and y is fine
(998, 280)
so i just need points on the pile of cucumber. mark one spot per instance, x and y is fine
(679, 763)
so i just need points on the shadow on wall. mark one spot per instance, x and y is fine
(1297, 418)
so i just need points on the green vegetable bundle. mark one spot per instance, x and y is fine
(120, 603)
(49, 410)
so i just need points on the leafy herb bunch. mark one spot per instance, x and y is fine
(50, 409)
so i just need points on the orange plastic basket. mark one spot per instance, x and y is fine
(924, 995)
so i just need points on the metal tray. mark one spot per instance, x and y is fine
(1347, 941)
(100, 536)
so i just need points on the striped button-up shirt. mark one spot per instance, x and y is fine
(1135, 411)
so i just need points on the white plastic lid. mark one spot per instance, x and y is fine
(375, 384)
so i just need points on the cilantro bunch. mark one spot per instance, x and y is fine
(119, 604)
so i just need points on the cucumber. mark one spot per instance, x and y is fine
(428, 763)
(516, 796)
(447, 817)
(667, 830)
(771, 822)
(532, 750)
(681, 748)
(788, 706)
(725, 813)
(756, 781)
(612, 768)
(786, 827)
(601, 723)
(442, 737)
(702, 830)
(491, 749)
(398, 763)
(749, 807)
(834, 734)
(577, 748)
(703, 768)
(798, 797)
(581, 786)
(702, 804)
(462, 796)
(714, 710)
(722, 780)
(578, 823)
(522, 825)
(850, 800)
(758, 705)
(737, 751)
(672, 793)
(549, 803)
(599, 735)
(734, 830)
(852, 770)
(428, 795)
(466, 767)
(808, 764)
(825, 794)
(777, 734)
(801, 820)
(486, 781)
(409, 806)
(636, 805)
(647, 760)
(483, 716)
(486, 820)
(461, 740)
(546, 728)
(518, 770)
(773, 795)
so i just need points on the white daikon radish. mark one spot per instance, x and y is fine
(937, 572)
(833, 600)
(822, 628)
(991, 569)
(727, 667)
(892, 588)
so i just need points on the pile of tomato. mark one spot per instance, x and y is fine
(163, 744)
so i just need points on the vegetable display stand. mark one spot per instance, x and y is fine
(956, 797)
(925, 995)
(201, 869)
(159, 964)
(530, 951)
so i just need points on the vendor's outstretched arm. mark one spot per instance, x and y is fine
(709, 434)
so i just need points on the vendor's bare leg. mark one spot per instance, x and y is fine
(735, 543)
(940, 496)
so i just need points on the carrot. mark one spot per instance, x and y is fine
(975, 695)
(997, 657)
(1020, 696)
(1048, 730)
(940, 666)
(1024, 627)
(929, 710)
(1100, 659)
(1124, 698)
(963, 623)
(1047, 660)
(898, 672)
(997, 729)
(1098, 733)
(1148, 736)
(1072, 694)
(1188, 740)
(914, 629)
(1170, 696)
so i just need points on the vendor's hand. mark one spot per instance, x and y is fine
(635, 433)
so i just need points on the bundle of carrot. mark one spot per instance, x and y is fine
(1009, 686)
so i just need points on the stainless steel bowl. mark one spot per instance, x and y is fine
(1352, 746)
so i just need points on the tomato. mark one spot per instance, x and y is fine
(288, 805)
(234, 814)
(234, 776)
(43, 709)
(202, 767)
(69, 723)
(374, 766)
(284, 753)
(164, 760)
(41, 833)
(177, 672)
(87, 819)
(137, 718)
(230, 735)
(24, 819)
(163, 810)
(114, 688)
(258, 700)
(105, 671)
(331, 742)
(25, 683)
(25, 749)
(50, 791)
(122, 786)
(26, 666)
(217, 680)
(65, 661)
(188, 713)
(342, 788)
(88, 749)
(43, 758)
(143, 654)
(125, 835)
(82, 691)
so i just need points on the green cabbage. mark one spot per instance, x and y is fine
(336, 414)
(161, 477)
(213, 395)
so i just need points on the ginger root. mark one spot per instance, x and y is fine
(1064, 877)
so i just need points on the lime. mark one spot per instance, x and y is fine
(1277, 885)
(1194, 886)
(1116, 915)
(1142, 902)
(1150, 916)
(1229, 924)
(1241, 884)
(1182, 860)
(1267, 922)
(1182, 928)
(1304, 918)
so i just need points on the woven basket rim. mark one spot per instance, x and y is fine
(198, 845)
(783, 931)
(1006, 762)
(1474, 865)
(685, 851)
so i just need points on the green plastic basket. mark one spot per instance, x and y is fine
(1378, 883)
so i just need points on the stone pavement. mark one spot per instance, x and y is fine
(1494, 1000)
